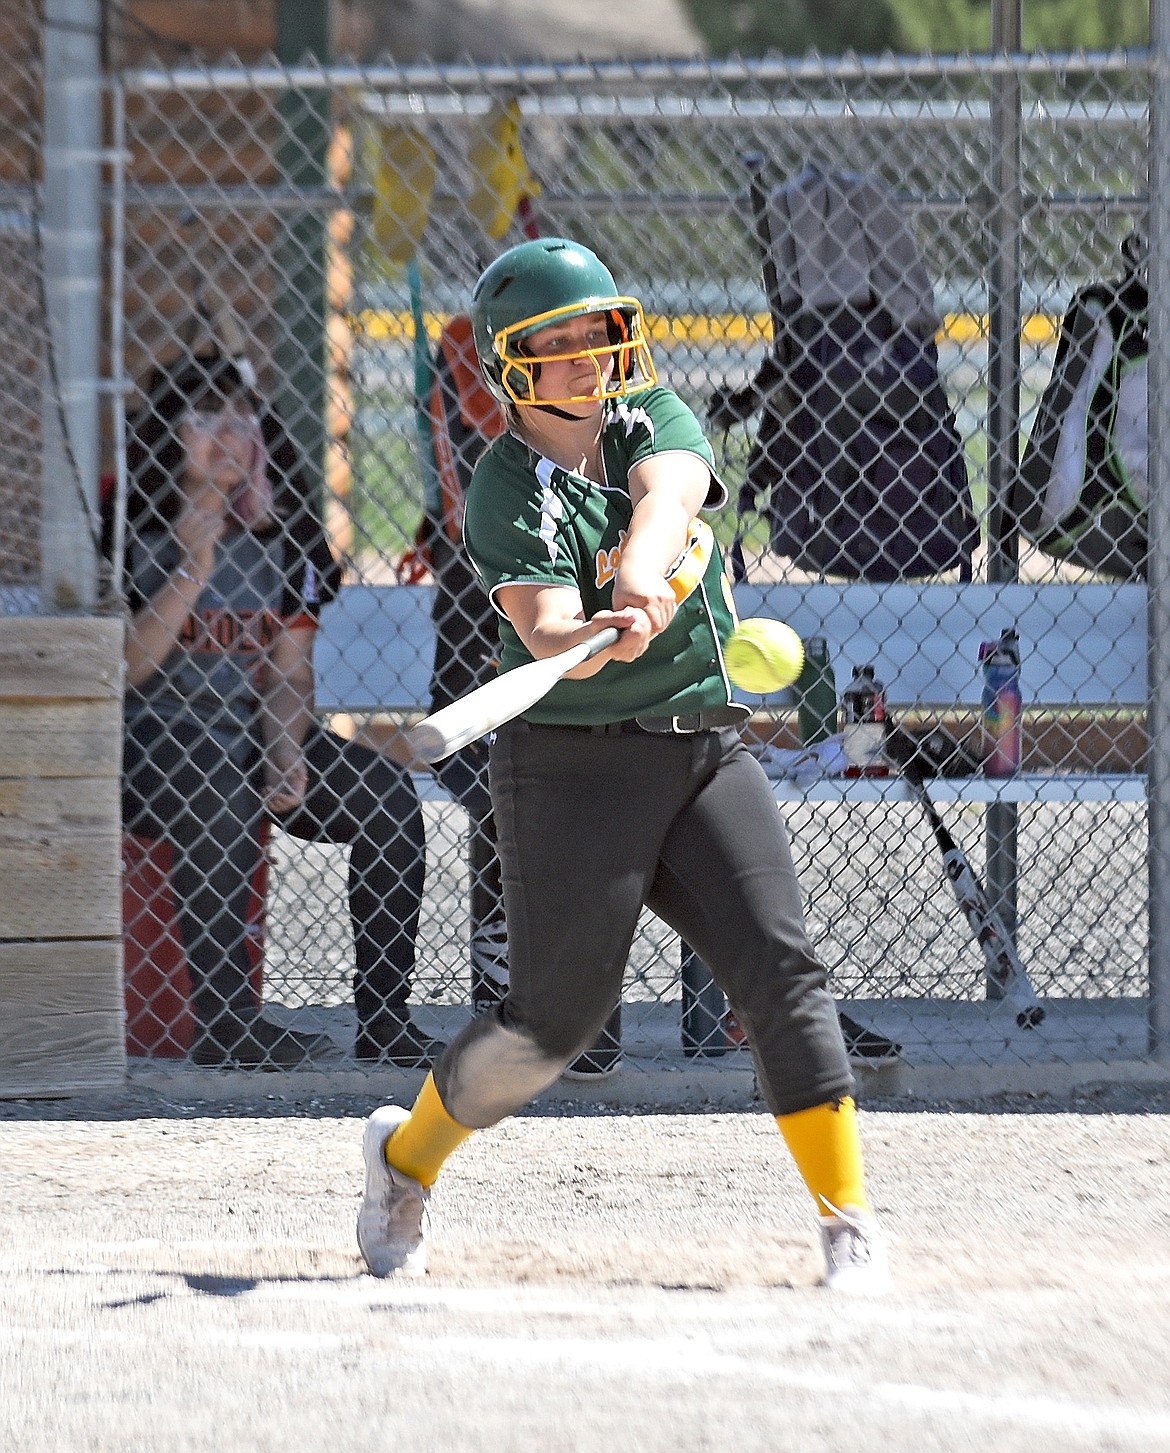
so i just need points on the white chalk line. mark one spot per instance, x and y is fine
(670, 1356)
(693, 1359)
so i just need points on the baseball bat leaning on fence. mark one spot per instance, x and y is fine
(490, 706)
(999, 953)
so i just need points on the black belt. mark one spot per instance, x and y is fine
(685, 725)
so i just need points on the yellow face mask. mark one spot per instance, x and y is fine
(627, 361)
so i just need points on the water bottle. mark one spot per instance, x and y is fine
(1003, 705)
(864, 733)
(816, 688)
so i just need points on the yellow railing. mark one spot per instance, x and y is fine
(1039, 330)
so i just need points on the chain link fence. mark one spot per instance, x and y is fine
(21, 310)
(317, 234)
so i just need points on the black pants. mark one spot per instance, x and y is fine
(184, 786)
(590, 829)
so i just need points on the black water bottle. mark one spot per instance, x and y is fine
(864, 735)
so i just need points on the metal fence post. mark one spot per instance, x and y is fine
(303, 31)
(71, 238)
(1003, 400)
(1158, 568)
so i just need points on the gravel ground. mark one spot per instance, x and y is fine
(184, 1275)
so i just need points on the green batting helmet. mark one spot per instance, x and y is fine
(539, 283)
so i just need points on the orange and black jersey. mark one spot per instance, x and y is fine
(262, 583)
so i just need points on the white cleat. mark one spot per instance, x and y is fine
(390, 1223)
(855, 1254)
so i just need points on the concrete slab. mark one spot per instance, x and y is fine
(950, 1051)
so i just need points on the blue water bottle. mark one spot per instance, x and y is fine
(1003, 705)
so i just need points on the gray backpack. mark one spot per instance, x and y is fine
(857, 465)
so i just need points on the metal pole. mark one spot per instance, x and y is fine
(303, 30)
(118, 378)
(1158, 568)
(1003, 399)
(71, 256)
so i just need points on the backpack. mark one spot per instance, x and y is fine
(857, 465)
(1083, 487)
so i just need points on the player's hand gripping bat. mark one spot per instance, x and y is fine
(999, 953)
(490, 706)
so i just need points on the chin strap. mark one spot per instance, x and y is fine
(558, 412)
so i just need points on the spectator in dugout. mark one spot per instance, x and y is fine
(227, 567)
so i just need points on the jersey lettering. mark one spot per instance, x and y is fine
(609, 560)
(242, 633)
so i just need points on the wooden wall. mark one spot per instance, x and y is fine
(61, 1007)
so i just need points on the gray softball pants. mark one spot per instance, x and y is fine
(593, 826)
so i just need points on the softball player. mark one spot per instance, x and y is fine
(628, 783)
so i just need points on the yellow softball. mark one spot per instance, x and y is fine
(763, 655)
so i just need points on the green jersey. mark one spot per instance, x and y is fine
(530, 522)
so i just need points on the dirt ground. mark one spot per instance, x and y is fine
(183, 1276)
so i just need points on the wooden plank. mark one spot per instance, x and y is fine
(60, 858)
(59, 1055)
(63, 891)
(61, 738)
(60, 978)
(60, 657)
(61, 1018)
(57, 805)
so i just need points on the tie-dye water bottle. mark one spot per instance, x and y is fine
(1003, 705)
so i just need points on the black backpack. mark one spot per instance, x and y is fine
(857, 465)
(1083, 487)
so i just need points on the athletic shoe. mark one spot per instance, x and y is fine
(866, 1045)
(489, 965)
(255, 1044)
(390, 1231)
(855, 1253)
(388, 1041)
(604, 1057)
(598, 1063)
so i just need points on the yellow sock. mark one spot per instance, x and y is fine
(826, 1146)
(422, 1143)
